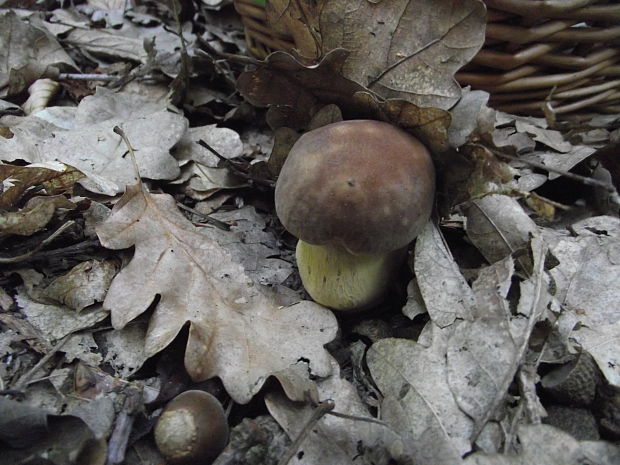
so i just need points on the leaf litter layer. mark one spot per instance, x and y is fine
(515, 282)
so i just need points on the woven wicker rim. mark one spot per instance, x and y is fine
(569, 60)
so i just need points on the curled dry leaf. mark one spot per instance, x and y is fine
(17, 179)
(41, 92)
(238, 331)
(83, 285)
(33, 217)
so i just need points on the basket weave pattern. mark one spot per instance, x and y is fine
(562, 54)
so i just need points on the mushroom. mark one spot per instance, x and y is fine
(355, 194)
(192, 429)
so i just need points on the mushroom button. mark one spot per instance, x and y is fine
(192, 429)
(355, 193)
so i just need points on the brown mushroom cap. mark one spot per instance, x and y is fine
(361, 184)
(193, 428)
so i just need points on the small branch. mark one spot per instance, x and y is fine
(132, 153)
(241, 59)
(86, 77)
(318, 413)
(23, 381)
(217, 223)
(356, 418)
(27, 255)
(229, 164)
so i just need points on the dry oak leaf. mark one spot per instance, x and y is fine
(406, 49)
(238, 331)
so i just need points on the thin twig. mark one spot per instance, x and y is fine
(356, 418)
(27, 255)
(132, 153)
(236, 170)
(217, 223)
(318, 413)
(241, 59)
(23, 381)
(87, 77)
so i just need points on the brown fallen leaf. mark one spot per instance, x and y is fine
(18, 179)
(299, 20)
(238, 330)
(33, 217)
(296, 92)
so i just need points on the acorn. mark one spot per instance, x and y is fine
(192, 429)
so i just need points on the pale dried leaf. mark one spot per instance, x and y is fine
(252, 245)
(603, 343)
(564, 161)
(55, 322)
(100, 154)
(336, 441)
(238, 331)
(498, 226)
(124, 348)
(205, 181)
(588, 275)
(27, 53)
(417, 402)
(224, 141)
(547, 445)
(82, 346)
(483, 349)
(406, 49)
(549, 137)
(415, 302)
(155, 46)
(83, 285)
(24, 138)
(108, 105)
(465, 116)
(446, 294)
(90, 145)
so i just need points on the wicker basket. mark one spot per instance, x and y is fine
(560, 54)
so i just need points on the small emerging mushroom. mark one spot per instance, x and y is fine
(192, 429)
(355, 193)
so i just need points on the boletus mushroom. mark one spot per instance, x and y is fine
(355, 194)
(192, 429)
